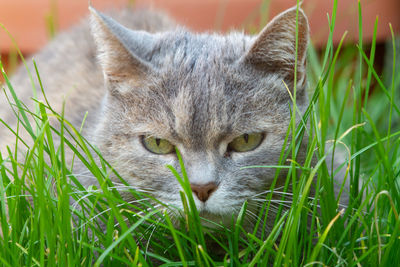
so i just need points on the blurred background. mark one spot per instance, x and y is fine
(32, 23)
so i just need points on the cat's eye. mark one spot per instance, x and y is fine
(246, 142)
(157, 145)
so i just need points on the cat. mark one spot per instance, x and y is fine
(151, 86)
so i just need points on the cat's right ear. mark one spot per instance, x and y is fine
(274, 49)
(121, 51)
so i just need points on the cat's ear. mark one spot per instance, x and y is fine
(121, 51)
(274, 49)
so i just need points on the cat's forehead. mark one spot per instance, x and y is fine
(203, 67)
(183, 49)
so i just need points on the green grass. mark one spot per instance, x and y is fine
(350, 104)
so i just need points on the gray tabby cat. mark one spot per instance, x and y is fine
(220, 99)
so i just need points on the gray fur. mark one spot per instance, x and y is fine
(198, 91)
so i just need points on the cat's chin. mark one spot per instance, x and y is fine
(217, 217)
(215, 214)
(214, 220)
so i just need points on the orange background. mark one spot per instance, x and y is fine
(26, 19)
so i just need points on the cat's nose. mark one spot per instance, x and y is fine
(203, 191)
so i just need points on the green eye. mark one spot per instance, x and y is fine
(157, 145)
(246, 142)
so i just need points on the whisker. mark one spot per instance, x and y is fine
(272, 200)
(108, 209)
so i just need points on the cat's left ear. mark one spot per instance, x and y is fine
(274, 49)
(122, 52)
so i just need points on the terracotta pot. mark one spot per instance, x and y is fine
(26, 19)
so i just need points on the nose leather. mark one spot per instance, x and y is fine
(203, 191)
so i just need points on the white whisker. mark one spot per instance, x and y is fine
(108, 209)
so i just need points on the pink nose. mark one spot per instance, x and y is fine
(203, 191)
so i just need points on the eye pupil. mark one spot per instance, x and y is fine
(158, 141)
(246, 138)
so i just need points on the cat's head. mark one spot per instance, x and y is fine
(222, 100)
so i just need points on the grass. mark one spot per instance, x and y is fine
(350, 104)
